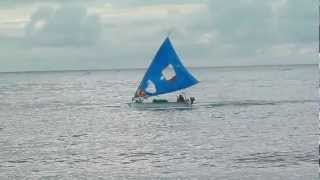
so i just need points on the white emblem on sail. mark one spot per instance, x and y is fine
(168, 73)
(151, 88)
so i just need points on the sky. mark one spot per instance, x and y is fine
(43, 35)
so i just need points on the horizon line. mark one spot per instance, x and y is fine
(141, 68)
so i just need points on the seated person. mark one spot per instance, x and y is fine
(180, 98)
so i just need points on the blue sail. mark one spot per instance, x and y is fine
(165, 74)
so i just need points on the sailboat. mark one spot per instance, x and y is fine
(166, 74)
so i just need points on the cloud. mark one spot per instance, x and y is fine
(242, 22)
(247, 26)
(68, 25)
(297, 21)
(55, 34)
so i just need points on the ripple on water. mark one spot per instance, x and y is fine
(17, 161)
(79, 135)
(272, 159)
(79, 125)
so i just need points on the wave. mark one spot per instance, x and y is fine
(266, 159)
(254, 103)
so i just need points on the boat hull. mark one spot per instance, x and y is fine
(165, 105)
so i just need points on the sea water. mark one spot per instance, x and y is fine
(248, 123)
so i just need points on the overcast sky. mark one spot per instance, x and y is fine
(107, 34)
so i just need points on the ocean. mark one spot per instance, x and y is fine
(255, 122)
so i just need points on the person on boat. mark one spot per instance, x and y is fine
(180, 99)
(138, 97)
(192, 99)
